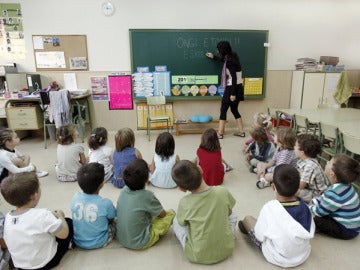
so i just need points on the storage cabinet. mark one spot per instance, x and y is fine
(310, 89)
(24, 118)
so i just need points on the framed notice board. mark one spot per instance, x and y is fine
(60, 52)
(183, 52)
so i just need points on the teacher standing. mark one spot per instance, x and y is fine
(231, 80)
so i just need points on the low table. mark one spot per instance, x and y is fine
(195, 128)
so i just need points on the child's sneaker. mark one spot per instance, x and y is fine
(242, 227)
(41, 174)
(262, 183)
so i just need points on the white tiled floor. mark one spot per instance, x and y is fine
(327, 253)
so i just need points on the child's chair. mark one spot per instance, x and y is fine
(302, 124)
(284, 119)
(330, 141)
(157, 102)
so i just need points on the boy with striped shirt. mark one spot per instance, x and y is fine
(337, 210)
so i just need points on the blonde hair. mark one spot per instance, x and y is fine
(124, 137)
(263, 120)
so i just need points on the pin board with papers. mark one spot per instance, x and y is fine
(60, 52)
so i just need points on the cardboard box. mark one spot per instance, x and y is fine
(329, 60)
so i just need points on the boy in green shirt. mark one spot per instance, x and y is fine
(204, 223)
(141, 219)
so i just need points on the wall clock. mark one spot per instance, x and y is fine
(108, 8)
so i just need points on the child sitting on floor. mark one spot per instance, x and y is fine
(100, 152)
(141, 219)
(93, 216)
(337, 210)
(260, 150)
(284, 154)
(205, 222)
(313, 181)
(4, 252)
(36, 237)
(70, 155)
(285, 226)
(11, 160)
(163, 161)
(210, 160)
(261, 120)
(124, 153)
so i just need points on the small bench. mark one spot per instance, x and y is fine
(199, 128)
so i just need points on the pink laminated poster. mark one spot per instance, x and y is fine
(120, 91)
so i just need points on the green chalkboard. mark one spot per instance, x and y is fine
(183, 51)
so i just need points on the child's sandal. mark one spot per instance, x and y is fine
(239, 134)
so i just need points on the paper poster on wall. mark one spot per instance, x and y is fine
(50, 60)
(70, 81)
(99, 88)
(253, 86)
(162, 85)
(78, 63)
(38, 43)
(120, 91)
(12, 43)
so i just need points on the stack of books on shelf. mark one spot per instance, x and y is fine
(308, 64)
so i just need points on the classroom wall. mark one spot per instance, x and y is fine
(297, 28)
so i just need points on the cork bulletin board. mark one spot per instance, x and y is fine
(60, 52)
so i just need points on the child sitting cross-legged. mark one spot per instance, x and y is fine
(93, 216)
(209, 158)
(70, 155)
(100, 152)
(337, 210)
(260, 150)
(261, 120)
(124, 153)
(11, 160)
(141, 219)
(36, 237)
(284, 154)
(313, 181)
(163, 161)
(285, 226)
(204, 223)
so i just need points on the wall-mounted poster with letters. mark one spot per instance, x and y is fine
(120, 91)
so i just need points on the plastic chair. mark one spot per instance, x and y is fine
(330, 141)
(302, 124)
(158, 102)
